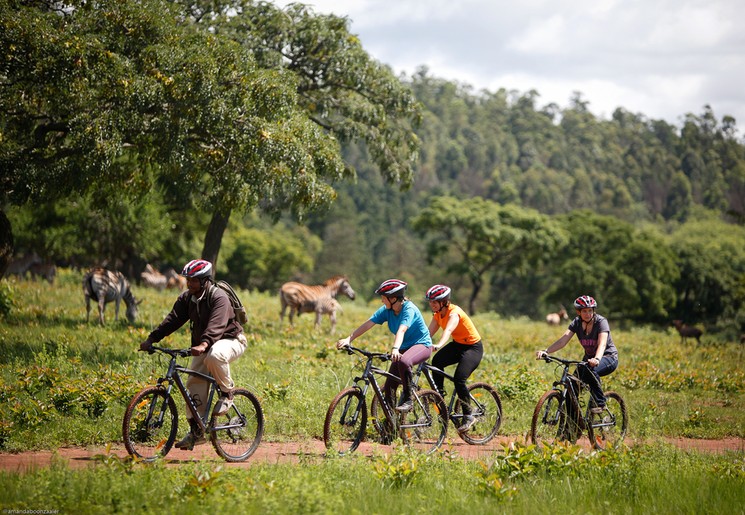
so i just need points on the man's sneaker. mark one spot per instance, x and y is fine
(468, 422)
(189, 442)
(223, 405)
(597, 410)
(405, 406)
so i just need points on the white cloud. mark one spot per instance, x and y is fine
(660, 58)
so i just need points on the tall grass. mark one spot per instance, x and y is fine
(654, 479)
(65, 382)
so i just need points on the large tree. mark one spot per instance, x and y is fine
(86, 85)
(342, 89)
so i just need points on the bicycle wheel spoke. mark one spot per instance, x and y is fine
(382, 425)
(150, 424)
(609, 427)
(236, 434)
(346, 420)
(424, 427)
(551, 423)
(486, 406)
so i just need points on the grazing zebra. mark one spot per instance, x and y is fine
(151, 277)
(319, 299)
(20, 266)
(175, 280)
(47, 271)
(105, 286)
(323, 306)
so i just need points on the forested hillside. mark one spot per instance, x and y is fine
(648, 210)
(242, 123)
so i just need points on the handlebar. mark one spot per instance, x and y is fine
(174, 353)
(565, 362)
(383, 356)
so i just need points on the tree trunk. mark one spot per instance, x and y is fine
(213, 238)
(477, 283)
(6, 243)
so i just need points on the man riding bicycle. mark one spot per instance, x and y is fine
(217, 339)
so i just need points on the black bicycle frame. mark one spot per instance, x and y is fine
(172, 376)
(368, 377)
(427, 369)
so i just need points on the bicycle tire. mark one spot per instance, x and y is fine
(346, 421)
(609, 427)
(236, 434)
(382, 425)
(150, 424)
(487, 408)
(551, 422)
(425, 425)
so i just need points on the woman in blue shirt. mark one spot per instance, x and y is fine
(412, 343)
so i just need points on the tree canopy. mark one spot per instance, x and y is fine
(95, 95)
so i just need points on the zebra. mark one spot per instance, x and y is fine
(105, 286)
(153, 278)
(319, 299)
(47, 271)
(175, 280)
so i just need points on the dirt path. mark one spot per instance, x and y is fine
(293, 452)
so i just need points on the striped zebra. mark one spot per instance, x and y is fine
(319, 299)
(104, 286)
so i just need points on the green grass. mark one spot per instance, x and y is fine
(64, 382)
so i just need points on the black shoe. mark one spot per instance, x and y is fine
(405, 406)
(189, 442)
(468, 422)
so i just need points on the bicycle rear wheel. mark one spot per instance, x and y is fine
(609, 427)
(150, 424)
(346, 420)
(236, 434)
(425, 426)
(554, 421)
(486, 406)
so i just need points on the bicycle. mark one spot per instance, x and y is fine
(558, 414)
(423, 427)
(151, 419)
(485, 403)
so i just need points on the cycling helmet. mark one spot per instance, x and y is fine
(197, 268)
(438, 292)
(391, 288)
(585, 301)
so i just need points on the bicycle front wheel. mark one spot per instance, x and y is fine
(425, 425)
(486, 406)
(552, 422)
(609, 427)
(346, 420)
(237, 433)
(150, 424)
(382, 425)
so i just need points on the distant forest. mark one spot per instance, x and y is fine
(520, 207)
(628, 172)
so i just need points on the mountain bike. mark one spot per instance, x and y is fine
(423, 427)
(151, 418)
(485, 404)
(559, 414)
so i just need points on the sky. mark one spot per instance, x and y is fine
(659, 58)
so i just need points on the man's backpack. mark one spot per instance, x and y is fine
(240, 311)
